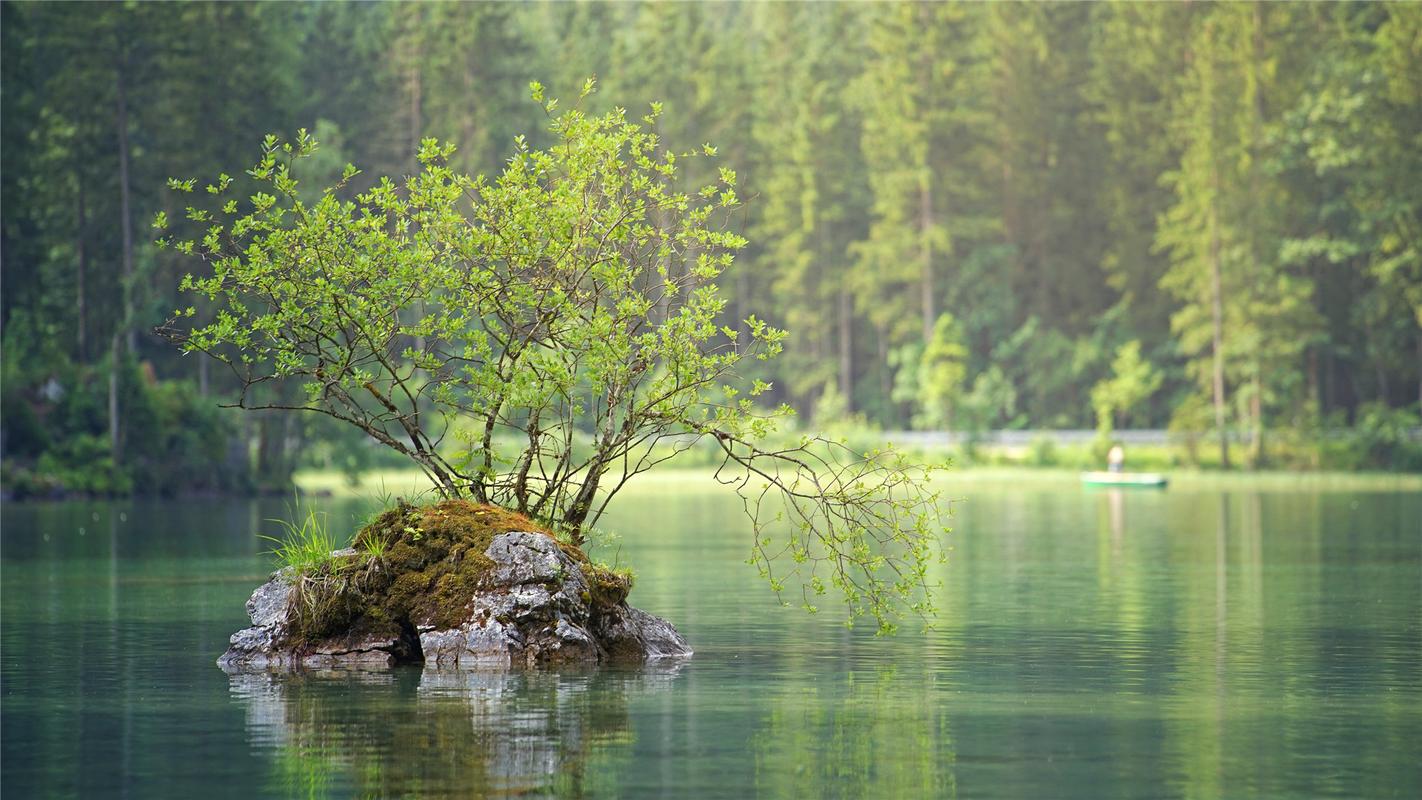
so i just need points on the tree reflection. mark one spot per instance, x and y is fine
(879, 733)
(456, 734)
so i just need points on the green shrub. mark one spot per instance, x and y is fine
(1042, 452)
(173, 439)
(1384, 438)
(24, 435)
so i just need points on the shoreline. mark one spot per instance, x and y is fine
(412, 483)
(394, 482)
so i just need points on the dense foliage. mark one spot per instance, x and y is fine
(538, 339)
(1236, 187)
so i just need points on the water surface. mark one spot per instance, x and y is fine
(1095, 644)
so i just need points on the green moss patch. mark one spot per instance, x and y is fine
(421, 565)
(609, 586)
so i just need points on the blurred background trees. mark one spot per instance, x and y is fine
(967, 215)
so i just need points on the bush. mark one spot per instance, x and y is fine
(21, 428)
(174, 440)
(1042, 452)
(1386, 438)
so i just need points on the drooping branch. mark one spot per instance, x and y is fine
(867, 521)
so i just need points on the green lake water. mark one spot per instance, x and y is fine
(1202, 643)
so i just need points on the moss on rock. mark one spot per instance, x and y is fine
(609, 586)
(414, 567)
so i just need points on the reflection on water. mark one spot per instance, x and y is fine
(491, 733)
(880, 732)
(1090, 644)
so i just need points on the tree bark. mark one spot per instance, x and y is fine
(846, 351)
(886, 386)
(415, 86)
(925, 222)
(81, 310)
(125, 210)
(1217, 335)
(577, 512)
(1256, 413)
(1256, 402)
(115, 442)
(925, 198)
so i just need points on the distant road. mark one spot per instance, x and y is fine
(1023, 438)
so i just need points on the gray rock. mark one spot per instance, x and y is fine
(535, 607)
(532, 558)
(627, 632)
(268, 605)
(482, 643)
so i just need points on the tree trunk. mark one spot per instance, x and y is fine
(125, 210)
(468, 118)
(264, 450)
(1315, 390)
(1217, 338)
(273, 469)
(81, 310)
(1256, 144)
(416, 90)
(743, 292)
(115, 444)
(886, 387)
(846, 352)
(1256, 413)
(1380, 370)
(925, 222)
(577, 513)
(925, 194)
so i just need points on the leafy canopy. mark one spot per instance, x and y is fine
(536, 339)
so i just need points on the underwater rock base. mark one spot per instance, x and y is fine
(431, 597)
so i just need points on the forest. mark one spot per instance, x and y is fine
(1199, 217)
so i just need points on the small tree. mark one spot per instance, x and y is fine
(537, 339)
(942, 367)
(1133, 380)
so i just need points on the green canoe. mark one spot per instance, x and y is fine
(1143, 479)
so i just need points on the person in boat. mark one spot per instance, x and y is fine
(1115, 458)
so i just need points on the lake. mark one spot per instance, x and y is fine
(1229, 640)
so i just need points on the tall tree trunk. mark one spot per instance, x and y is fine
(415, 87)
(467, 119)
(925, 222)
(271, 444)
(81, 307)
(1256, 198)
(846, 352)
(925, 193)
(886, 388)
(1217, 334)
(115, 442)
(743, 293)
(1315, 390)
(416, 94)
(125, 209)
(1256, 413)
(1380, 370)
